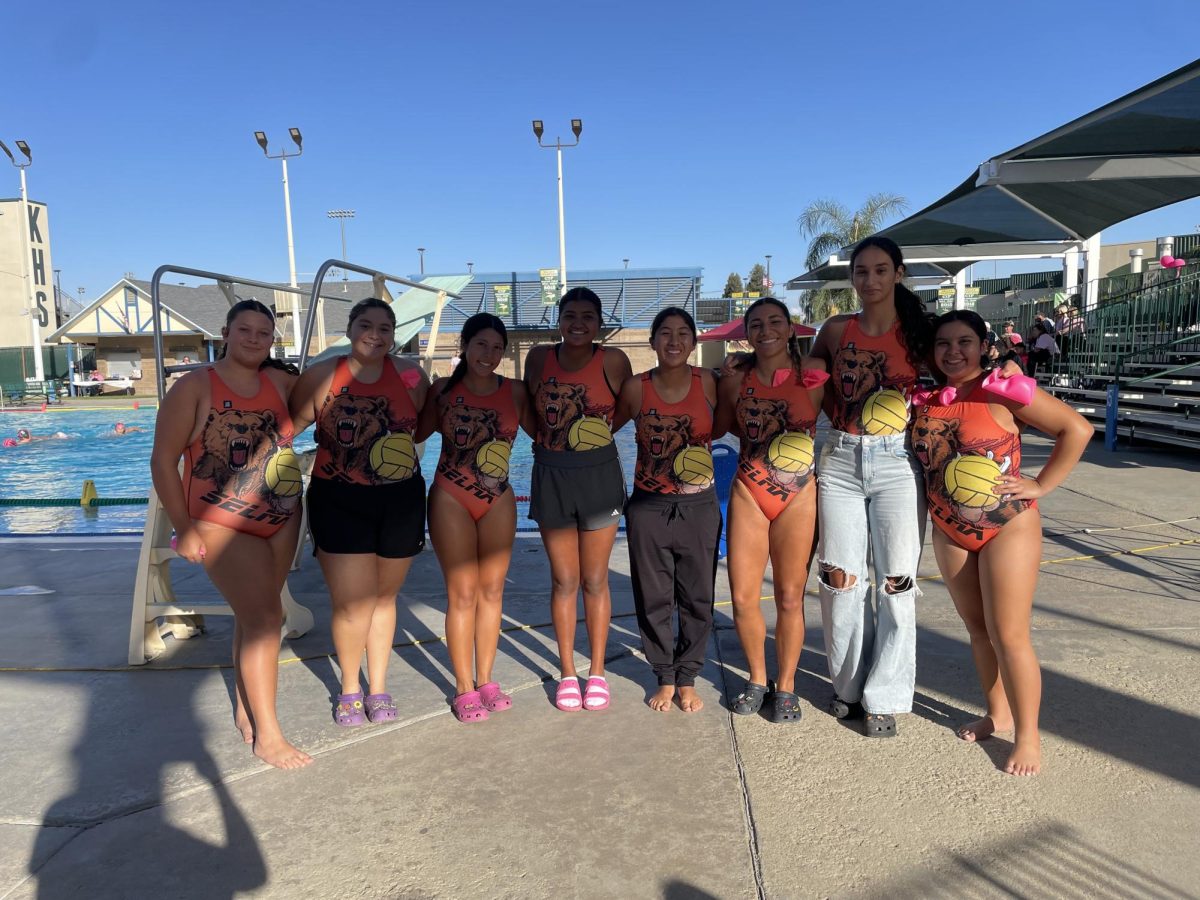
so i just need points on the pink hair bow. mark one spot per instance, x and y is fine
(809, 378)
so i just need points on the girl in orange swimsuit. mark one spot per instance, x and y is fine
(577, 490)
(472, 511)
(673, 519)
(234, 508)
(771, 403)
(366, 498)
(988, 535)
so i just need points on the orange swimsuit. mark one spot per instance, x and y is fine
(776, 426)
(574, 409)
(964, 450)
(477, 438)
(872, 381)
(674, 441)
(355, 417)
(231, 474)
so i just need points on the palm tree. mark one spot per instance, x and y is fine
(830, 226)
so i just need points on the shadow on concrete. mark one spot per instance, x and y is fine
(1048, 861)
(1129, 728)
(185, 866)
(681, 890)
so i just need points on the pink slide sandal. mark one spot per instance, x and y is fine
(596, 694)
(567, 697)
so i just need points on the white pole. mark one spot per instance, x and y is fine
(26, 249)
(287, 214)
(562, 233)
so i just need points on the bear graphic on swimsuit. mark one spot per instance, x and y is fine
(237, 445)
(559, 405)
(465, 429)
(760, 420)
(935, 443)
(659, 439)
(857, 374)
(354, 423)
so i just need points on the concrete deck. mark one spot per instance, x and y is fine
(133, 783)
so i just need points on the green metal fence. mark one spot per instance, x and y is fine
(1157, 327)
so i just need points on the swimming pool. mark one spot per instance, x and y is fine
(120, 467)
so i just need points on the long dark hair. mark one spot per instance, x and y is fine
(253, 305)
(972, 320)
(477, 323)
(665, 313)
(793, 342)
(916, 328)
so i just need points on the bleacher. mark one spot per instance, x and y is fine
(1140, 352)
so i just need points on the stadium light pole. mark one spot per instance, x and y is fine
(261, 138)
(557, 146)
(35, 324)
(421, 251)
(342, 215)
(768, 285)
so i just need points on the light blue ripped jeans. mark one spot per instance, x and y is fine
(871, 497)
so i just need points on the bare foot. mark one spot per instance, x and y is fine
(1026, 758)
(689, 702)
(661, 701)
(980, 730)
(242, 722)
(281, 754)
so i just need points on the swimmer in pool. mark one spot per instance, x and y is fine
(24, 437)
(120, 428)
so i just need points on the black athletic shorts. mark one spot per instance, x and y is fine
(387, 520)
(584, 490)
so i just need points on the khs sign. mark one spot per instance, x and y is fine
(39, 251)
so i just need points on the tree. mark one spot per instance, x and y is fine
(733, 285)
(830, 226)
(758, 279)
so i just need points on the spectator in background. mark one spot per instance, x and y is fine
(1044, 348)
(1010, 332)
(1047, 323)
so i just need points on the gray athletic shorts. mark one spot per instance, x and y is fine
(581, 489)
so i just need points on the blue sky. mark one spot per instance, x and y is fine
(707, 127)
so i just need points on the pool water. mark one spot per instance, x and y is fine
(120, 467)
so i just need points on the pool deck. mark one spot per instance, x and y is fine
(133, 783)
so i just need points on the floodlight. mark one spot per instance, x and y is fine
(24, 148)
(7, 152)
(261, 137)
(577, 126)
(295, 133)
(537, 128)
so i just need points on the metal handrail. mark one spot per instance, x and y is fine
(224, 282)
(378, 278)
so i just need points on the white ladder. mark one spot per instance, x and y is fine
(154, 597)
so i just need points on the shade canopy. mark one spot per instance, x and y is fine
(1133, 155)
(736, 331)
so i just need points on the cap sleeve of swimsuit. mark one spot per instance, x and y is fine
(813, 378)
